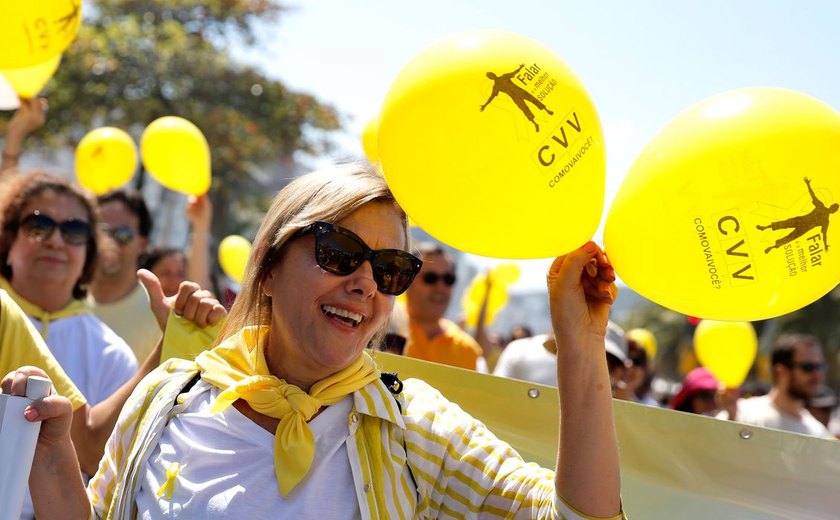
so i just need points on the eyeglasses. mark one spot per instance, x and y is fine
(809, 366)
(122, 235)
(340, 251)
(448, 279)
(40, 227)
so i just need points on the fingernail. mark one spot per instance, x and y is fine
(31, 414)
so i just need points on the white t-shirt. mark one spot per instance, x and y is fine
(93, 356)
(528, 360)
(761, 411)
(231, 468)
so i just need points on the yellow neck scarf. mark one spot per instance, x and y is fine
(71, 309)
(238, 368)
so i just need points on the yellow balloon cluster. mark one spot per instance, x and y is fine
(490, 119)
(29, 81)
(501, 276)
(34, 32)
(727, 349)
(176, 154)
(106, 158)
(234, 251)
(725, 214)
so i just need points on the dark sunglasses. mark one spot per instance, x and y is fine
(40, 227)
(340, 251)
(448, 279)
(809, 367)
(121, 234)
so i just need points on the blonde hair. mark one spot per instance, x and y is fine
(330, 194)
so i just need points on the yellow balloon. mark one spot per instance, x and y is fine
(33, 32)
(474, 297)
(727, 349)
(106, 158)
(724, 214)
(27, 82)
(176, 154)
(505, 273)
(492, 145)
(369, 136)
(234, 251)
(645, 338)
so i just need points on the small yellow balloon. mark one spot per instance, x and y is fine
(176, 154)
(505, 274)
(491, 123)
(645, 338)
(106, 158)
(369, 138)
(727, 212)
(234, 251)
(29, 81)
(474, 297)
(34, 32)
(727, 349)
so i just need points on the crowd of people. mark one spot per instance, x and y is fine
(288, 377)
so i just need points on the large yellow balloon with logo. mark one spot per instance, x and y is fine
(29, 81)
(493, 146)
(32, 32)
(234, 251)
(176, 154)
(106, 158)
(731, 211)
(727, 349)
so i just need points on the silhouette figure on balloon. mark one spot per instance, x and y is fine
(504, 83)
(799, 225)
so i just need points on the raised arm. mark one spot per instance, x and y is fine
(29, 117)
(587, 474)
(200, 213)
(817, 202)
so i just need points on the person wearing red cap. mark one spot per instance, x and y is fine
(697, 394)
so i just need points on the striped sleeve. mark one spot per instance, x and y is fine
(463, 470)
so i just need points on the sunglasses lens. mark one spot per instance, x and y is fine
(75, 232)
(449, 279)
(337, 253)
(38, 226)
(393, 272)
(122, 235)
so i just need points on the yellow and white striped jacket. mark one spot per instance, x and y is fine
(421, 458)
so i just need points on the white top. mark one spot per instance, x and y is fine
(761, 411)
(227, 476)
(93, 356)
(527, 359)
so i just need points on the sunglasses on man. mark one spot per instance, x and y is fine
(41, 227)
(448, 279)
(122, 235)
(340, 251)
(809, 367)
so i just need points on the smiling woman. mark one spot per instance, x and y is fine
(290, 381)
(47, 258)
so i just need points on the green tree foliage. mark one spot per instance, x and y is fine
(137, 60)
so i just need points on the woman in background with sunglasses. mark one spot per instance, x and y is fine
(47, 258)
(288, 415)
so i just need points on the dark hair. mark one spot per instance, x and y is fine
(19, 191)
(135, 203)
(156, 254)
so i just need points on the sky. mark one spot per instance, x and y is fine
(642, 62)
